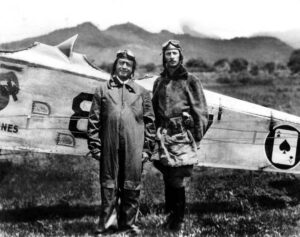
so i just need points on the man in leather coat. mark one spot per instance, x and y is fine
(181, 120)
(121, 132)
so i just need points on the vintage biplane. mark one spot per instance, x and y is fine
(46, 93)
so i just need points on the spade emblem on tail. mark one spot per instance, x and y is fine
(285, 147)
(282, 147)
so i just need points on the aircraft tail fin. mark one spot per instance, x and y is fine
(66, 47)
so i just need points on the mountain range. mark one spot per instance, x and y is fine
(101, 45)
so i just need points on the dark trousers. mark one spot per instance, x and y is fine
(175, 181)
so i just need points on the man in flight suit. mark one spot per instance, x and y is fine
(121, 133)
(181, 120)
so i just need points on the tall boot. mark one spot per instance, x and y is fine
(169, 199)
(128, 211)
(108, 215)
(169, 205)
(178, 211)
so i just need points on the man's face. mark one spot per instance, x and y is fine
(124, 68)
(172, 57)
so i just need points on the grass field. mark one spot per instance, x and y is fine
(61, 198)
(49, 195)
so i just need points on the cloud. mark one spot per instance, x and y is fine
(187, 29)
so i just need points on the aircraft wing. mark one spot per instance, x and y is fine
(46, 93)
(244, 135)
(45, 97)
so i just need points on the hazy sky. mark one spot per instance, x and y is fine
(224, 18)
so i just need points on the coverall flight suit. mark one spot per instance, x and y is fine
(121, 127)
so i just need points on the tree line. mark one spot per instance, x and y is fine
(226, 65)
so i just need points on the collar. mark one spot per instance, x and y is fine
(120, 81)
(114, 81)
(180, 72)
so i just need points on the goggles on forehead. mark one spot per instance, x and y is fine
(125, 54)
(175, 43)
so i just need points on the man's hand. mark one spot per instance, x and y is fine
(198, 145)
(145, 157)
(96, 155)
(160, 132)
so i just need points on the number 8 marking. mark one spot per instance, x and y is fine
(79, 114)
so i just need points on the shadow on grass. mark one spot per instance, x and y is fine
(290, 186)
(5, 167)
(73, 212)
(238, 207)
(215, 207)
(197, 207)
(43, 212)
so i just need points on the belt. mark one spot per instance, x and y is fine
(173, 125)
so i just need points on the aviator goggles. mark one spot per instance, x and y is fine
(175, 43)
(126, 54)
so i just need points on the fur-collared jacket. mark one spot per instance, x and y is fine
(181, 115)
